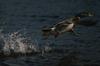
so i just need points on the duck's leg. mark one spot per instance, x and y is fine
(46, 35)
(74, 32)
(56, 34)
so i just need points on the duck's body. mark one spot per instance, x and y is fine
(61, 27)
(65, 25)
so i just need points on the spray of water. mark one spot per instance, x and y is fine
(17, 43)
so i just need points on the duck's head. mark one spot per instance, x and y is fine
(85, 14)
(75, 19)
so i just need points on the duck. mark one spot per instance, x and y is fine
(66, 25)
(88, 18)
(85, 14)
(61, 27)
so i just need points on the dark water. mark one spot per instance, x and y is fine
(29, 16)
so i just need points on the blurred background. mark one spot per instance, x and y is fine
(26, 18)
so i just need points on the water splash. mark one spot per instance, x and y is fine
(17, 43)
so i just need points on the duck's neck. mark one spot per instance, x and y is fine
(80, 15)
(76, 20)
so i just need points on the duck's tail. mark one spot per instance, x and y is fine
(47, 32)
